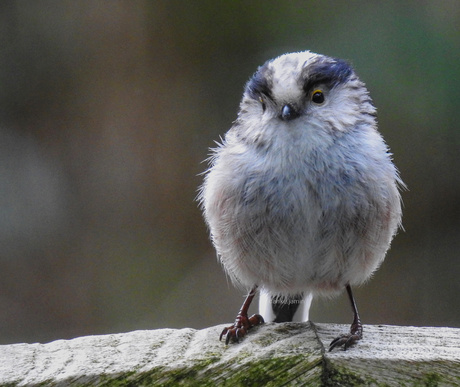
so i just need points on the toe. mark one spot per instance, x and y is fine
(351, 341)
(338, 342)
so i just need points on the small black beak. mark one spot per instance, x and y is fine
(289, 112)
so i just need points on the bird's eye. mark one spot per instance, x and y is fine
(317, 96)
(263, 103)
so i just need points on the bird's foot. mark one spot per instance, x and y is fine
(356, 334)
(241, 326)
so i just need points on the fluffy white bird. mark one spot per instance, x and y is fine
(301, 197)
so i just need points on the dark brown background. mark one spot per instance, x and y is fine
(107, 110)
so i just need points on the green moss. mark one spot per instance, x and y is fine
(273, 371)
(343, 377)
(431, 380)
(340, 377)
(209, 372)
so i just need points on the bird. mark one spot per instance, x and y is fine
(301, 196)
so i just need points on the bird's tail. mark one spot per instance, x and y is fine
(279, 308)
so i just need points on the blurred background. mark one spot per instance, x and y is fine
(107, 110)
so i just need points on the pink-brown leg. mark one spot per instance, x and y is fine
(242, 322)
(356, 329)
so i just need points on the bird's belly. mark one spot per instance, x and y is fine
(281, 237)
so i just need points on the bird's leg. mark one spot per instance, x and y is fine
(242, 322)
(356, 329)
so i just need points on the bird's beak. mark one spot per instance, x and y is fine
(289, 112)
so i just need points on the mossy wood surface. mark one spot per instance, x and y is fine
(290, 354)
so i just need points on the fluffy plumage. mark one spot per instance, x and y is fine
(301, 196)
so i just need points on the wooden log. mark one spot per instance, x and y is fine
(394, 356)
(272, 355)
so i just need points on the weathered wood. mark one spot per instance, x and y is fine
(272, 355)
(394, 356)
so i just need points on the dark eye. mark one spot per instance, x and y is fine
(263, 103)
(317, 97)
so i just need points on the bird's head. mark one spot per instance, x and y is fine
(304, 91)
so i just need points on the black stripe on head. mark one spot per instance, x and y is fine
(260, 83)
(330, 72)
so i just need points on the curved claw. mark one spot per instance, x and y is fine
(345, 340)
(240, 328)
(235, 335)
(224, 332)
